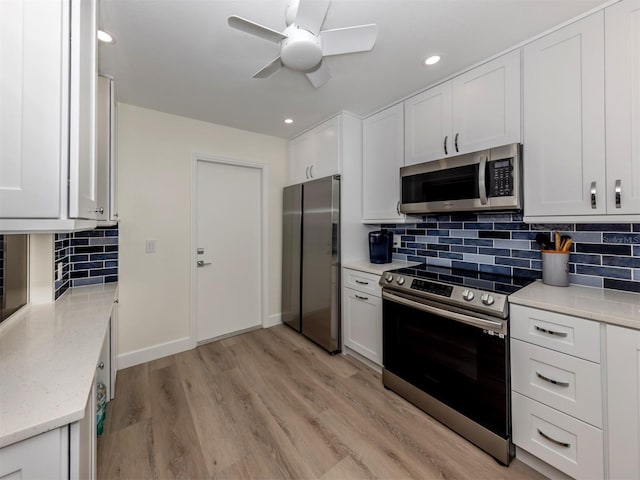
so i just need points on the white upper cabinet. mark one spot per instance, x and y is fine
(486, 105)
(382, 157)
(476, 110)
(564, 121)
(316, 153)
(622, 67)
(106, 152)
(47, 119)
(582, 119)
(428, 120)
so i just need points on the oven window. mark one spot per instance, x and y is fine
(458, 364)
(458, 183)
(13, 273)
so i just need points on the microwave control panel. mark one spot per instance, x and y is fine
(500, 177)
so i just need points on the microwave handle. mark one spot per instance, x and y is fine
(482, 184)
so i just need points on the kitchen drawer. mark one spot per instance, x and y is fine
(572, 335)
(564, 442)
(361, 281)
(567, 383)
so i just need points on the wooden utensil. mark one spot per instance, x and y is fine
(567, 245)
(558, 243)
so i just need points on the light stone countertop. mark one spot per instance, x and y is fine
(48, 358)
(377, 268)
(604, 305)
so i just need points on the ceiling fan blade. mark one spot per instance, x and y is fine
(271, 69)
(255, 29)
(320, 75)
(348, 40)
(311, 14)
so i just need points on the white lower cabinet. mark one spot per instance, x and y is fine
(623, 399)
(362, 314)
(571, 446)
(556, 382)
(51, 449)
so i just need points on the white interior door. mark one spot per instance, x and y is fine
(229, 235)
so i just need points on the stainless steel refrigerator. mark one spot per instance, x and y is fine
(311, 260)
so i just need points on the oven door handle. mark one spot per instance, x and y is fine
(458, 317)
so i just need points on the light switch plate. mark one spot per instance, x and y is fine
(150, 246)
(396, 241)
(59, 271)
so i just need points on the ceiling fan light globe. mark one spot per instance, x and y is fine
(302, 51)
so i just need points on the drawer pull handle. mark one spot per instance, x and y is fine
(550, 332)
(361, 282)
(551, 380)
(361, 298)
(553, 440)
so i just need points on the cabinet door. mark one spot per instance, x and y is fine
(82, 132)
(33, 113)
(103, 370)
(486, 105)
(622, 60)
(382, 157)
(301, 157)
(113, 346)
(564, 121)
(327, 149)
(623, 392)
(42, 456)
(363, 324)
(428, 125)
(105, 152)
(83, 441)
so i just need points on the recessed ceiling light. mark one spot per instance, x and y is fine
(432, 60)
(288, 121)
(105, 36)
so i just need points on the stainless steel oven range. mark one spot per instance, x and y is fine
(446, 349)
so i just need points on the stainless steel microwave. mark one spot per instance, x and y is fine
(479, 181)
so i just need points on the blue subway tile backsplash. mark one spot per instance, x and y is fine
(605, 255)
(88, 258)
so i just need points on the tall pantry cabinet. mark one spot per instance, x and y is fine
(48, 59)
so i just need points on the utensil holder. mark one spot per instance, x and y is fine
(555, 268)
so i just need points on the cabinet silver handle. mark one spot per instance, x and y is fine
(311, 171)
(455, 141)
(618, 193)
(306, 173)
(202, 263)
(551, 380)
(361, 298)
(101, 365)
(482, 184)
(446, 138)
(557, 442)
(550, 332)
(116, 301)
(398, 208)
(593, 195)
(361, 282)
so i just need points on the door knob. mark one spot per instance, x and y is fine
(202, 263)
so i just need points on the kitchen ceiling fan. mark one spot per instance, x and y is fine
(303, 45)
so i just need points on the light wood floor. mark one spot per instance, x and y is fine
(269, 404)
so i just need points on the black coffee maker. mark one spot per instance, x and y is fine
(380, 244)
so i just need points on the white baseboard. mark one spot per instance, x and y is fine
(273, 320)
(154, 352)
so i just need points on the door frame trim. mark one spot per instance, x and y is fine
(264, 251)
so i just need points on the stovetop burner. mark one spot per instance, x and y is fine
(472, 290)
(488, 282)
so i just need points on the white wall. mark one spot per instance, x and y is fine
(154, 160)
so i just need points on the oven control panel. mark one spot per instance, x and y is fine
(432, 287)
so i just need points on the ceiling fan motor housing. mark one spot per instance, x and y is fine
(301, 50)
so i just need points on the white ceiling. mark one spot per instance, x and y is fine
(181, 57)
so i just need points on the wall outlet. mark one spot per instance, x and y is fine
(59, 271)
(396, 241)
